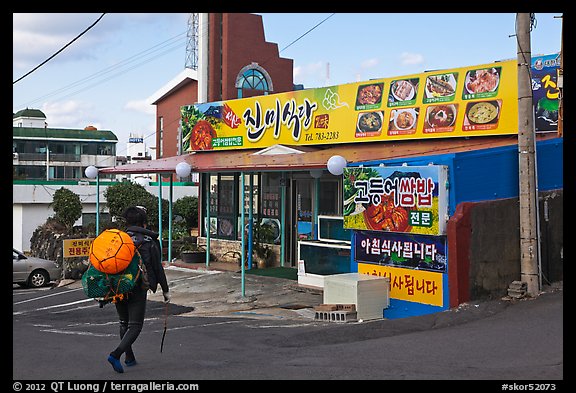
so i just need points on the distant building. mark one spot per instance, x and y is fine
(45, 159)
(43, 153)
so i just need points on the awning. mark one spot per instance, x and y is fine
(247, 161)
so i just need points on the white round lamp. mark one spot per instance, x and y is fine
(91, 172)
(336, 165)
(183, 169)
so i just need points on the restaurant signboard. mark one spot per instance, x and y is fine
(467, 101)
(406, 199)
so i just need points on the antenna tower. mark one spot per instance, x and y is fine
(192, 42)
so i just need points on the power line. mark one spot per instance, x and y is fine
(106, 74)
(54, 55)
(299, 38)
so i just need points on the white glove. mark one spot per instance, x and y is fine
(166, 297)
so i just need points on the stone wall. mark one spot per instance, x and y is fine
(484, 246)
(230, 250)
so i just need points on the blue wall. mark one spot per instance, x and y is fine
(474, 176)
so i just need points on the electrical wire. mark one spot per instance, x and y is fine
(64, 47)
(299, 38)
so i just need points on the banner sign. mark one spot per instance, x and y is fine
(408, 284)
(77, 247)
(401, 250)
(467, 101)
(545, 91)
(408, 199)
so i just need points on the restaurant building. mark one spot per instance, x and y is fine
(361, 177)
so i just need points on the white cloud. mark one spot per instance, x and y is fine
(36, 37)
(141, 106)
(369, 63)
(70, 114)
(311, 75)
(407, 58)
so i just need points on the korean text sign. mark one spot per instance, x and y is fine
(409, 284)
(401, 250)
(77, 247)
(468, 101)
(406, 199)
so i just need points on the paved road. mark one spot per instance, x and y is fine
(58, 334)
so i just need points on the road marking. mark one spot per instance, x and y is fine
(78, 333)
(54, 306)
(45, 296)
(196, 326)
(184, 269)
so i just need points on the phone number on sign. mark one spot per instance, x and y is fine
(326, 136)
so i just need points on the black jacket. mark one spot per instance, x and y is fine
(149, 247)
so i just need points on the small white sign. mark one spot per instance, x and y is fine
(301, 269)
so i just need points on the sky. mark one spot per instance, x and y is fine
(106, 77)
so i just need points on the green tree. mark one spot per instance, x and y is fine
(187, 208)
(122, 195)
(67, 207)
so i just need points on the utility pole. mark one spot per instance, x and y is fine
(529, 247)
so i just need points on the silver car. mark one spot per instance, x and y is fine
(32, 271)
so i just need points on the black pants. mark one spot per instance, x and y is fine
(131, 312)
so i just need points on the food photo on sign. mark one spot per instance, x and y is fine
(369, 96)
(199, 128)
(369, 124)
(440, 88)
(440, 118)
(482, 115)
(482, 83)
(403, 121)
(403, 92)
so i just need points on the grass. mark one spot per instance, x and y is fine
(289, 273)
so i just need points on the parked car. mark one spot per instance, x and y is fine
(32, 271)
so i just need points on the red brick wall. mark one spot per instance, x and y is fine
(235, 41)
(244, 43)
(214, 57)
(169, 109)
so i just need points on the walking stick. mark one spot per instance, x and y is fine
(165, 326)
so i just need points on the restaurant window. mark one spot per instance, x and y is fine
(329, 198)
(223, 205)
(246, 202)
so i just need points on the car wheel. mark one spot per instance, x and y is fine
(38, 279)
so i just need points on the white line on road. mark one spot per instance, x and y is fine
(195, 326)
(54, 306)
(78, 333)
(46, 296)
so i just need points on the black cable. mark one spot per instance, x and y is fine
(297, 39)
(64, 47)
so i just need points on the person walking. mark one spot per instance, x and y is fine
(132, 309)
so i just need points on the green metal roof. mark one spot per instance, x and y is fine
(29, 113)
(63, 133)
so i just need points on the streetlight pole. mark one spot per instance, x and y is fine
(529, 247)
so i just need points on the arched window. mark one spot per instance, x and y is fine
(253, 80)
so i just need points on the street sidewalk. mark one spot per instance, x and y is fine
(220, 290)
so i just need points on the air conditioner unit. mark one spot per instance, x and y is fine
(14, 156)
